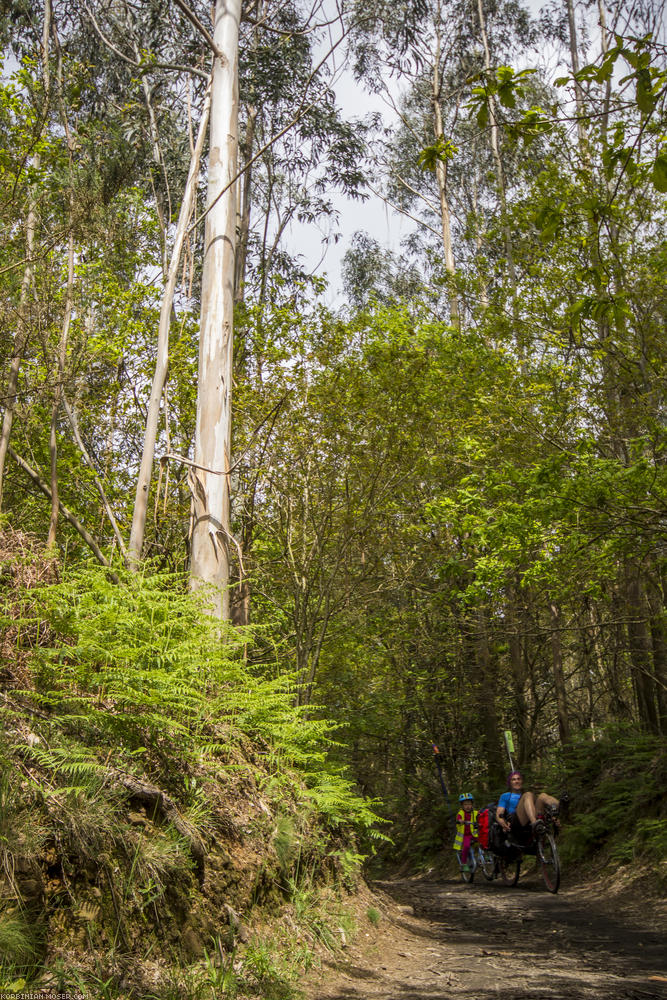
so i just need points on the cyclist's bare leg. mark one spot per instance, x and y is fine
(525, 809)
(544, 800)
(529, 807)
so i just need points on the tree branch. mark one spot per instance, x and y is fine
(136, 65)
(192, 17)
(66, 513)
(74, 424)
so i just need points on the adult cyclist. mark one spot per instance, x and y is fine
(519, 812)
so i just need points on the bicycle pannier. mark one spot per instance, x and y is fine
(483, 828)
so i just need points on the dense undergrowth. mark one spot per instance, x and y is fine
(158, 800)
(617, 782)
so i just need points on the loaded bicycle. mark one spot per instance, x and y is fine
(504, 855)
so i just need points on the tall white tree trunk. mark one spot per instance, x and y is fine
(578, 92)
(210, 477)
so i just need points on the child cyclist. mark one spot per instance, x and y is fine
(466, 829)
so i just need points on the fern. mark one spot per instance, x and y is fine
(131, 664)
(70, 761)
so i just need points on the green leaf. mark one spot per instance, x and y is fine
(659, 172)
(507, 98)
(646, 100)
(441, 151)
(607, 67)
(483, 116)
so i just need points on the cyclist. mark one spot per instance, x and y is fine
(466, 828)
(519, 812)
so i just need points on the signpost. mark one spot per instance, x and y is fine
(509, 743)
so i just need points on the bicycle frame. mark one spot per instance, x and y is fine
(543, 848)
(474, 862)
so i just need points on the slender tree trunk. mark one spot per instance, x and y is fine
(574, 56)
(240, 609)
(483, 293)
(211, 485)
(657, 604)
(604, 45)
(519, 678)
(487, 705)
(639, 644)
(621, 705)
(157, 160)
(445, 214)
(558, 673)
(62, 358)
(441, 175)
(495, 150)
(244, 216)
(162, 361)
(659, 647)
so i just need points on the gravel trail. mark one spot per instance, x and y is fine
(441, 939)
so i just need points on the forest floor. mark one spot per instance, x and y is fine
(597, 939)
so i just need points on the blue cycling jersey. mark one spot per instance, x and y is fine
(509, 801)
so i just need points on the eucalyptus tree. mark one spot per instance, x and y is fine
(297, 147)
(212, 451)
(435, 54)
(413, 40)
(372, 274)
(296, 151)
(84, 195)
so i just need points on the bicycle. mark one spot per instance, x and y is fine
(476, 859)
(547, 851)
(507, 863)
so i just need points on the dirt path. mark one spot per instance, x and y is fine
(442, 939)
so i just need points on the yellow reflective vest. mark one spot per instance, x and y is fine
(461, 817)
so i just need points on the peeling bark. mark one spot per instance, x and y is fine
(211, 483)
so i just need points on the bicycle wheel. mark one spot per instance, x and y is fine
(468, 875)
(547, 856)
(487, 863)
(509, 870)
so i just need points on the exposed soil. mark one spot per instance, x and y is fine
(441, 939)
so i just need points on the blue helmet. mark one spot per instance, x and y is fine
(466, 797)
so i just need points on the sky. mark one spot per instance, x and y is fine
(370, 215)
(373, 216)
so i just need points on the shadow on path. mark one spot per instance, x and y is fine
(518, 943)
